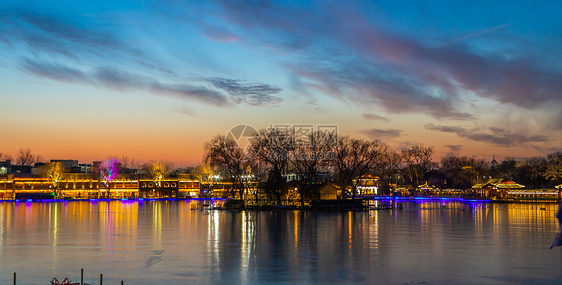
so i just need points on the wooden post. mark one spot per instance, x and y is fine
(14, 278)
(121, 282)
(101, 279)
(82, 276)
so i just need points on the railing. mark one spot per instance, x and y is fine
(67, 281)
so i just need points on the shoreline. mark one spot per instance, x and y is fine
(374, 198)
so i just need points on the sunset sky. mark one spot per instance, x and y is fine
(154, 80)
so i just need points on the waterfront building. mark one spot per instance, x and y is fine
(320, 177)
(21, 170)
(35, 187)
(425, 189)
(329, 191)
(533, 195)
(83, 168)
(38, 169)
(121, 187)
(188, 186)
(367, 185)
(68, 164)
(5, 167)
(450, 192)
(165, 188)
(84, 186)
(496, 188)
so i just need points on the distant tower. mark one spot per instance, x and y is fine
(494, 163)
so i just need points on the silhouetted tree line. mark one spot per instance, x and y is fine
(534, 172)
(273, 153)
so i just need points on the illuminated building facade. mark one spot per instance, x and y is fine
(5, 167)
(367, 185)
(85, 187)
(533, 195)
(329, 191)
(163, 188)
(496, 188)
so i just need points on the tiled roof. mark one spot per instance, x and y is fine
(425, 185)
(501, 183)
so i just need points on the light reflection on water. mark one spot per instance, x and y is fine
(164, 242)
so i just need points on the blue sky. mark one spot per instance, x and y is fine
(156, 79)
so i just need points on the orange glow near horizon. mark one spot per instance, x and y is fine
(187, 149)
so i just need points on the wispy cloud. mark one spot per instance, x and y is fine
(108, 77)
(187, 111)
(55, 72)
(496, 136)
(475, 34)
(362, 83)
(85, 43)
(4, 40)
(556, 122)
(383, 134)
(375, 117)
(238, 91)
(219, 34)
(253, 94)
(108, 57)
(350, 58)
(55, 35)
(189, 91)
(454, 148)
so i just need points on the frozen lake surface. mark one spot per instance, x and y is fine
(164, 242)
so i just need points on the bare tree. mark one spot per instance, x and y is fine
(27, 158)
(272, 146)
(5, 156)
(418, 161)
(553, 171)
(462, 171)
(535, 167)
(229, 156)
(307, 158)
(354, 158)
(124, 161)
(509, 168)
(259, 171)
(388, 164)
